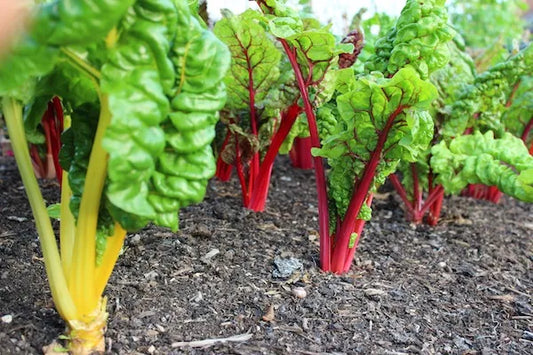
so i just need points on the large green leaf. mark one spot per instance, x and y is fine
(481, 159)
(377, 106)
(255, 59)
(163, 79)
(419, 39)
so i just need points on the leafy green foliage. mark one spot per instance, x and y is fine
(377, 106)
(453, 78)
(481, 104)
(253, 54)
(384, 116)
(449, 81)
(253, 82)
(316, 48)
(480, 158)
(316, 51)
(159, 148)
(156, 70)
(492, 19)
(419, 39)
(520, 113)
(373, 28)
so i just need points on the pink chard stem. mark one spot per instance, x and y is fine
(359, 196)
(262, 183)
(359, 226)
(323, 214)
(300, 153)
(223, 172)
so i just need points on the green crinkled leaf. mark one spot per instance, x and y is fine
(316, 48)
(453, 78)
(418, 39)
(27, 61)
(482, 159)
(373, 28)
(481, 105)
(71, 22)
(163, 82)
(54, 210)
(391, 111)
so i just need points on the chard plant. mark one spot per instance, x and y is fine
(469, 103)
(298, 143)
(495, 106)
(265, 97)
(310, 53)
(415, 181)
(141, 83)
(381, 118)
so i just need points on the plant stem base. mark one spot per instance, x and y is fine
(87, 337)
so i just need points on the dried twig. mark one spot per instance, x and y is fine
(211, 342)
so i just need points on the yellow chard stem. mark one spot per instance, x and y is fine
(82, 276)
(109, 259)
(67, 229)
(52, 261)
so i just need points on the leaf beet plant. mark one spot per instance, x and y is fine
(282, 65)
(382, 118)
(141, 83)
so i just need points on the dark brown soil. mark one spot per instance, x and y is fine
(464, 287)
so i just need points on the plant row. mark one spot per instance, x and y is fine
(135, 105)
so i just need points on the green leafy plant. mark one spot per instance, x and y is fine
(422, 197)
(310, 54)
(481, 158)
(381, 119)
(468, 104)
(141, 83)
(263, 101)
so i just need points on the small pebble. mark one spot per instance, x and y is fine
(135, 239)
(8, 318)
(151, 349)
(299, 292)
(210, 255)
(442, 264)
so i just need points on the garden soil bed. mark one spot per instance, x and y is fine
(463, 287)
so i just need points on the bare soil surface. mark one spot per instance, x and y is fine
(463, 287)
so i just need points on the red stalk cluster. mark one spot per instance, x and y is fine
(341, 253)
(417, 207)
(254, 177)
(52, 123)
